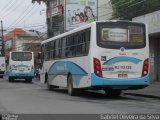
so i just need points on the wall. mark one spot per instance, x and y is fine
(152, 20)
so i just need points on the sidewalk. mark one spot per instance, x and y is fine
(152, 91)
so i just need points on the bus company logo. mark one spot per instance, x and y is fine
(103, 58)
(122, 49)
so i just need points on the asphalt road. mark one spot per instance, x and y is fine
(34, 98)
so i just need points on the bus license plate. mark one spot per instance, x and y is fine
(122, 75)
(21, 70)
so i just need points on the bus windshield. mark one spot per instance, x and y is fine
(21, 56)
(116, 35)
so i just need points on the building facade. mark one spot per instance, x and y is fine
(66, 15)
(152, 20)
(20, 40)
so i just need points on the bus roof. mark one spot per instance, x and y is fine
(82, 28)
(69, 32)
(20, 51)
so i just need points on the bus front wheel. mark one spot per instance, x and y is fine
(11, 79)
(29, 80)
(71, 90)
(49, 86)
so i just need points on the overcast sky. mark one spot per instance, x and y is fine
(22, 13)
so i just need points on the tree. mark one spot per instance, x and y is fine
(128, 9)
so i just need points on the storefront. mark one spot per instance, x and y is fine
(152, 20)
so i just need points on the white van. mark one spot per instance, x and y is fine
(2, 66)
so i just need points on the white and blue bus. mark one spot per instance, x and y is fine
(21, 65)
(108, 55)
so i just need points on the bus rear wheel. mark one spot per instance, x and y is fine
(113, 93)
(29, 80)
(11, 79)
(71, 90)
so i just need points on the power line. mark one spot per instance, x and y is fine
(29, 16)
(129, 2)
(116, 3)
(9, 6)
(26, 11)
(29, 26)
(111, 12)
(109, 8)
(24, 14)
(11, 10)
(20, 15)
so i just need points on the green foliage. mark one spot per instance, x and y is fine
(127, 9)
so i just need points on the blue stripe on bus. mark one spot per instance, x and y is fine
(97, 81)
(25, 66)
(121, 59)
(64, 67)
(14, 74)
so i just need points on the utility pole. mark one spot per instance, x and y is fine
(2, 53)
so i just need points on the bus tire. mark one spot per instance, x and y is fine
(71, 90)
(47, 82)
(29, 80)
(50, 87)
(113, 93)
(10, 79)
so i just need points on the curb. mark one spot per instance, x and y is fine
(143, 95)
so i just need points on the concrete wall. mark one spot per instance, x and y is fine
(152, 20)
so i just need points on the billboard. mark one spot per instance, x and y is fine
(80, 12)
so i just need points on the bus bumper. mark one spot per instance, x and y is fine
(22, 75)
(135, 83)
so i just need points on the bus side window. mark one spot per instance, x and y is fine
(69, 48)
(60, 48)
(63, 47)
(47, 51)
(79, 45)
(83, 43)
(87, 43)
(66, 49)
(57, 49)
(74, 45)
(51, 50)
